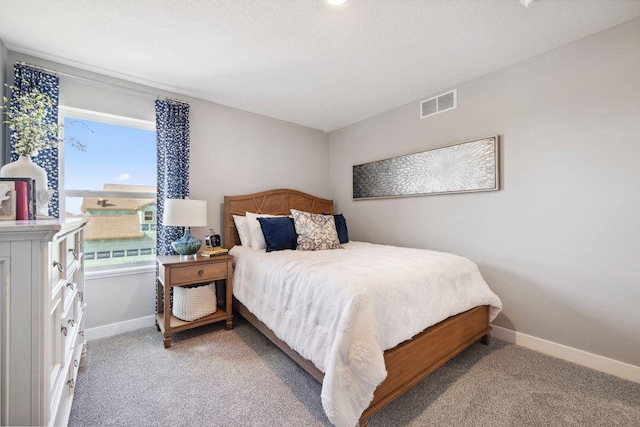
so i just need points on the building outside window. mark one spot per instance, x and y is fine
(110, 179)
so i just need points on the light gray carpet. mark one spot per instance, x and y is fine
(215, 377)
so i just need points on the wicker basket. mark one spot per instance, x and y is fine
(193, 303)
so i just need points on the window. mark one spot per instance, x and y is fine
(108, 174)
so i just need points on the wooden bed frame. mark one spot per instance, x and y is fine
(407, 363)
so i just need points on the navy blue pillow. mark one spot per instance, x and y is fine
(279, 233)
(341, 228)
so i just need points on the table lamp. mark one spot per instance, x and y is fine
(185, 213)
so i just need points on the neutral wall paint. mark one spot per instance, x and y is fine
(240, 152)
(232, 152)
(560, 243)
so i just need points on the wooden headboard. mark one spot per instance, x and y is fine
(274, 202)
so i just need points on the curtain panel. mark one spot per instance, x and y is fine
(172, 127)
(25, 78)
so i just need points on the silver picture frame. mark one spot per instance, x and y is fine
(464, 167)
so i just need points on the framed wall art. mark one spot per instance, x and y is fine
(465, 167)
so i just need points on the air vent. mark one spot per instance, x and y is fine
(438, 104)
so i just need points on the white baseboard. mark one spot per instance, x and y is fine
(118, 328)
(590, 360)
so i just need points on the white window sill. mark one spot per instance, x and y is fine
(119, 270)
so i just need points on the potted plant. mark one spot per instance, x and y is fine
(26, 117)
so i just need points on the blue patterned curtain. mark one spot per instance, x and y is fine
(172, 127)
(26, 77)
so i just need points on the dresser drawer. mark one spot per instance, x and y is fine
(72, 248)
(70, 321)
(69, 296)
(71, 370)
(198, 273)
(57, 264)
(69, 329)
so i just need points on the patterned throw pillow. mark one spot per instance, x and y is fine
(315, 232)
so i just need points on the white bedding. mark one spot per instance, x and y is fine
(342, 308)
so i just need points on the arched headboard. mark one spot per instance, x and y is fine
(274, 202)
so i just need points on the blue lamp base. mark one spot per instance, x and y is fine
(187, 244)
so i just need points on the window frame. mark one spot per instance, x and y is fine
(112, 119)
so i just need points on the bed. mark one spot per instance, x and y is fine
(405, 363)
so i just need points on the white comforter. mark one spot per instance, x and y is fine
(342, 308)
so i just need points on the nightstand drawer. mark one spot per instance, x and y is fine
(198, 273)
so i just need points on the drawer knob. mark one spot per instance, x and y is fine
(81, 332)
(71, 383)
(58, 265)
(75, 363)
(71, 285)
(64, 330)
(74, 253)
(200, 272)
(72, 323)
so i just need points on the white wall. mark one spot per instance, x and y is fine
(236, 152)
(232, 152)
(560, 243)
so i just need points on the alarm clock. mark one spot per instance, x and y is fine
(212, 240)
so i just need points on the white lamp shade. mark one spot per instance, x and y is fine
(185, 213)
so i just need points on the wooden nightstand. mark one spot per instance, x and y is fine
(176, 271)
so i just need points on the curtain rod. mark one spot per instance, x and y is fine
(99, 82)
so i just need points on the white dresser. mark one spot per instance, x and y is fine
(41, 319)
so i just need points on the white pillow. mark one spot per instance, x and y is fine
(242, 225)
(257, 238)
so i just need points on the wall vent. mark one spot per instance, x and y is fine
(438, 104)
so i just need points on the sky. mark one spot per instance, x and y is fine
(113, 155)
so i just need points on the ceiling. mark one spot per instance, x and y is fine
(303, 61)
